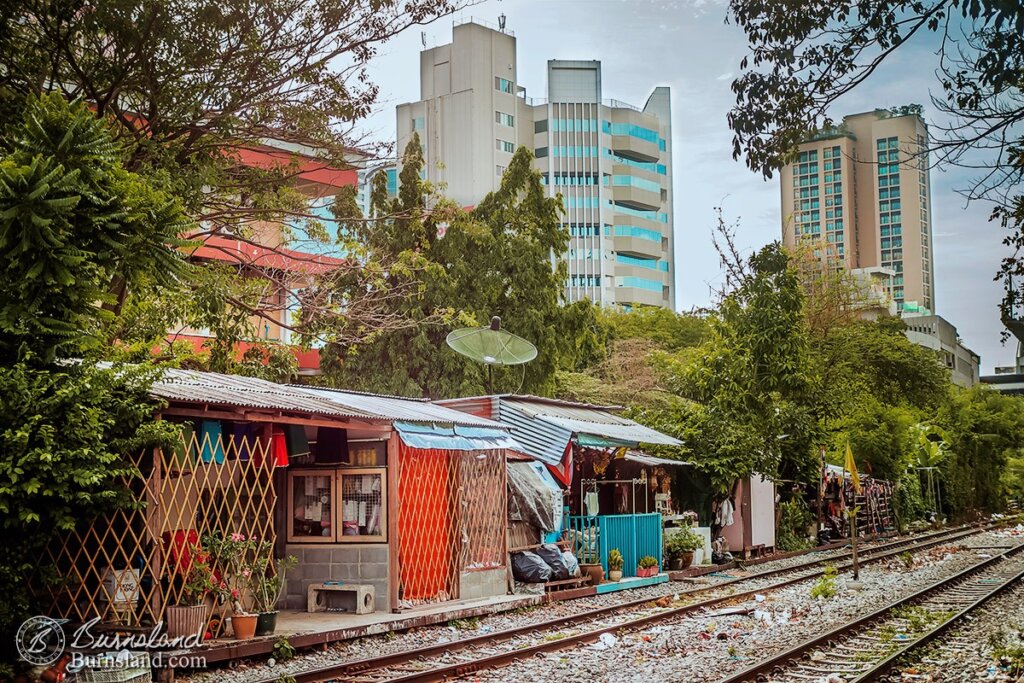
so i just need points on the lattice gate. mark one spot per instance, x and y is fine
(451, 518)
(129, 566)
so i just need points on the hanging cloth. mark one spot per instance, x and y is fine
(212, 442)
(243, 434)
(298, 444)
(279, 447)
(725, 513)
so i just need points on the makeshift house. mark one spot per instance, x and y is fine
(403, 497)
(746, 517)
(836, 496)
(611, 498)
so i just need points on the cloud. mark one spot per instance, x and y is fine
(727, 76)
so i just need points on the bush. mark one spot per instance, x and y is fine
(686, 540)
(647, 561)
(794, 518)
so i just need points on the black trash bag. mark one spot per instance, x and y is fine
(529, 568)
(552, 556)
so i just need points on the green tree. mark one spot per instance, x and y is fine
(495, 259)
(77, 231)
(747, 391)
(805, 56)
(194, 91)
(984, 429)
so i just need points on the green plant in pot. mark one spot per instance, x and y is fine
(615, 563)
(268, 586)
(188, 618)
(235, 556)
(647, 566)
(681, 545)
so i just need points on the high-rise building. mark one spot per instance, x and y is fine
(862, 190)
(610, 161)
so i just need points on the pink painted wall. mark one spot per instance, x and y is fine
(760, 515)
(734, 533)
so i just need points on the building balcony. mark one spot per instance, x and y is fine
(635, 296)
(635, 148)
(636, 197)
(623, 220)
(638, 246)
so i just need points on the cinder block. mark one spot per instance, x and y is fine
(316, 555)
(317, 572)
(344, 572)
(373, 571)
(352, 597)
(373, 555)
(345, 555)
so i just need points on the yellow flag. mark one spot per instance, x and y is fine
(851, 467)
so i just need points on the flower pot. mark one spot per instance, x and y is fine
(266, 623)
(244, 625)
(643, 573)
(596, 572)
(614, 574)
(684, 560)
(186, 620)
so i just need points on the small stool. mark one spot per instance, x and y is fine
(334, 596)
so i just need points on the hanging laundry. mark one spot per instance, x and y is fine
(298, 444)
(243, 434)
(331, 445)
(279, 447)
(211, 441)
(724, 517)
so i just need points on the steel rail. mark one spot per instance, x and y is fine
(773, 668)
(885, 667)
(347, 670)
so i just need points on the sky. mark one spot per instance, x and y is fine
(687, 45)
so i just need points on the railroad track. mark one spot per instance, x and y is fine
(871, 648)
(411, 665)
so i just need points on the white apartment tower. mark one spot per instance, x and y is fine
(610, 161)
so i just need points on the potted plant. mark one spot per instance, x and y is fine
(235, 556)
(268, 583)
(648, 566)
(615, 565)
(189, 617)
(681, 545)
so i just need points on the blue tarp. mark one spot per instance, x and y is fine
(454, 438)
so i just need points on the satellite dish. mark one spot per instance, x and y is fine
(491, 346)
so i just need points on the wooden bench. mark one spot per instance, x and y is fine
(567, 584)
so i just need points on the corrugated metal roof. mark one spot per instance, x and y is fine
(653, 460)
(589, 420)
(539, 438)
(402, 409)
(527, 398)
(247, 392)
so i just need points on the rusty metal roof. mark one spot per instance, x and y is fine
(400, 409)
(192, 386)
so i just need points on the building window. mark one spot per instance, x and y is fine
(540, 152)
(505, 146)
(499, 171)
(503, 119)
(418, 123)
(503, 85)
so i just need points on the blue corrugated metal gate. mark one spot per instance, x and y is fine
(593, 537)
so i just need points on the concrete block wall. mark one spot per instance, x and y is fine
(483, 583)
(363, 563)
